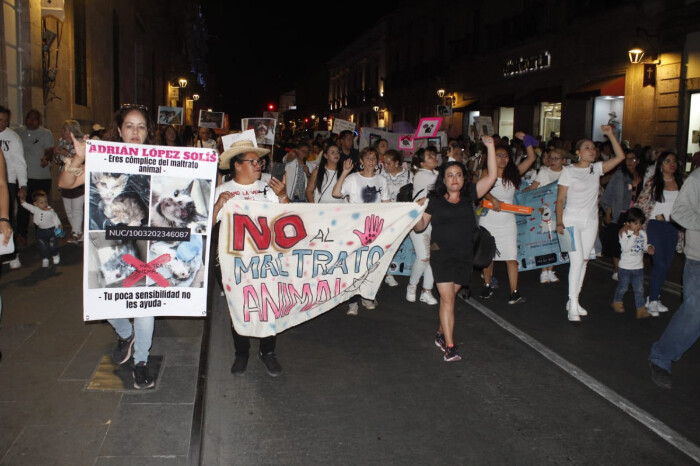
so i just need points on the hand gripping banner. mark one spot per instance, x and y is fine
(284, 264)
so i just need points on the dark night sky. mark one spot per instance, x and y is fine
(255, 54)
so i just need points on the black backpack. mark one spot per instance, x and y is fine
(406, 193)
(484, 248)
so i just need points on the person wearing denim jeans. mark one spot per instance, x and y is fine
(684, 328)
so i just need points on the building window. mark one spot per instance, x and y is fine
(80, 55)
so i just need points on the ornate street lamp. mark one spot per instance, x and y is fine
(636, 54)
(182, 82)
(441, 93)
(195, 97)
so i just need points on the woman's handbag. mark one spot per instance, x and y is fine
(484, 248)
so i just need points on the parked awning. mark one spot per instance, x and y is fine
(610, 86)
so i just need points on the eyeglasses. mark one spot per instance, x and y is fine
(253, 162)
(134, 107)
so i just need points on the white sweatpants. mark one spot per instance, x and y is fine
(421, 266)
(585, 234)
(74, 211)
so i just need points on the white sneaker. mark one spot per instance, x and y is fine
(581, 311)
(553, 277)
(572, 312)
(369, 303)
(653, 308)
(15, 263)
(660, 307)
(352, 309)
(411, 293)
(45, 263)
(390, 280)
(615, 277)
(544, 277)
(57, 259)
(427, 297)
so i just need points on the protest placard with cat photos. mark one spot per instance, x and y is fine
(147, 216)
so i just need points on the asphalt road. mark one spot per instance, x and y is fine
(532, 388)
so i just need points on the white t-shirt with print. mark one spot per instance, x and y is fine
(584, 184)
(257, 191)
(361, 190)
(546, 175)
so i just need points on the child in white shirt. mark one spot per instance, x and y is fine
(633, 242)
(46, 220)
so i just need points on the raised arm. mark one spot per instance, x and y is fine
(486, 182)
(338, 188)
(73, 174)
(530, 144)
(609, 164)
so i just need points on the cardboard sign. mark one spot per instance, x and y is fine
(147, 216)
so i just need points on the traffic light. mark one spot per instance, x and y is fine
(271, 107)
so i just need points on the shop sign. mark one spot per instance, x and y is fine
(516, 66)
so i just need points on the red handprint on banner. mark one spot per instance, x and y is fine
(373, 227)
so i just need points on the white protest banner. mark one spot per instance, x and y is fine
(283, 264)
(147, 216)
(342, 125)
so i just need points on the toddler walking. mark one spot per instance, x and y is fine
(633, 242)
(46, 221)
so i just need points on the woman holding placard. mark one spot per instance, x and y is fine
(133, 125)
(502, 224)
(578, 189)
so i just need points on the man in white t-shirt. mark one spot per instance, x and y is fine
(243, 158)
(37, 143)
(11, 146)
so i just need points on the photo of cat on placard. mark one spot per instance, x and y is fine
(180, 203)
(186, 259)
(107, 267)
(118, 199)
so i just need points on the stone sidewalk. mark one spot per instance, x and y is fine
(47, 416)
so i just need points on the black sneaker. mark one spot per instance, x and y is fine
(465, 293)
(660, 376)
(440, 341)
(271, 365)
(142, 379)
(451, 354)
(122, 352)
(515, 298)
(487, 292)
(239, 364)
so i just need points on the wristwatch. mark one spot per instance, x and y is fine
(5, 220)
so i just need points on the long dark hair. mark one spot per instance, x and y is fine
(118, 121)
(511, 174)
(322, 170)
(440, 188)
(657, 188)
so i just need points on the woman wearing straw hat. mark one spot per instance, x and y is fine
(243, 159)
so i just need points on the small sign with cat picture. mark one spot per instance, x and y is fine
(406, 142)
(427, 128)
(209, 119)
(148, 218)
(169, 115)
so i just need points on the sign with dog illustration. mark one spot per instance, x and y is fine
(147, 214)
(284, 264)
(538, 245)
